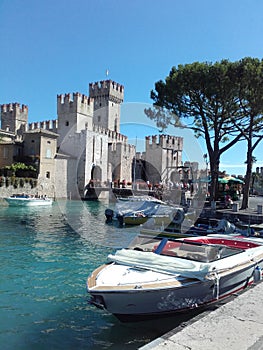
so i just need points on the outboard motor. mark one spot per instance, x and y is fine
(109, 215)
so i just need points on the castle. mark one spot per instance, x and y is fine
(84, 145)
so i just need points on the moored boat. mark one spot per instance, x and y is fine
(222, 226)
(160, 277)
(138, 210)
(28, 201)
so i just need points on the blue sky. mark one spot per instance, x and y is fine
(51, 47)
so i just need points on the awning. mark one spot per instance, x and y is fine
(229, 180)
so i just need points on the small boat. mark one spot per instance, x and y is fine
(134, 218)
(249, 227)
(222, 226)
(158, 277)
(27, 201)
(159, 215)
(137, 210)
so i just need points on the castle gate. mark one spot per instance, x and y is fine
(96, 175)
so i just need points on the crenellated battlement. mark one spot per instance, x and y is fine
(104, 86)
(13, 117)
(112, 135)
(124, 149)
(107, 89)
(74, 103)
(50, 125)
(165, 142)
(76, 98)
(11, 107)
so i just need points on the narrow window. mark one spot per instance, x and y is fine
(5, 152)
(48, 153)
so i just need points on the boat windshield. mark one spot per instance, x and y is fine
(186, 250)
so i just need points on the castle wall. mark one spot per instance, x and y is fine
(14, 118)
(61, 178)
(65, 182)
(120, 158)
(42, 146)
(6, 154)
(90, 145)
(163, 155)
(50, 125)
(96, 158)
(75, 113)
(113, 136)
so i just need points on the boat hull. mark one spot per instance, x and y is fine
(28, 202)
(160, 276)
(134, 220)
(160, 299)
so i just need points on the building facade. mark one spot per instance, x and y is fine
(162, 159)
(83, 147)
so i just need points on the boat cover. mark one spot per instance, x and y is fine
(160, 263)
(183, 267)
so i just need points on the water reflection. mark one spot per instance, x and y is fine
(88, 220)
(46, 256)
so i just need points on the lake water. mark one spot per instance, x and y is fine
(46, 256)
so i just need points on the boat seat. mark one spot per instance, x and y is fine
(199, 253)
(192, 248)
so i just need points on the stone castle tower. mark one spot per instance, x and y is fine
(108, 96)
(163, 156)
(83, 144)
(14, 118)
(89, 133)
(75, 113)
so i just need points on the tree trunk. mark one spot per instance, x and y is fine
(246, 187)
(214, 170)
(244, 204)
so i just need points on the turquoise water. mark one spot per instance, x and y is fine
(46, 256)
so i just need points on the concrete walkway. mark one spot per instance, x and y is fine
(236, 325)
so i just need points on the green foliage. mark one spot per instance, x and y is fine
(222, 102)
(211, 96)
(19, 166)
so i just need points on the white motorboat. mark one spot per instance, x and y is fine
(28, 201)
(159, 277)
